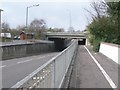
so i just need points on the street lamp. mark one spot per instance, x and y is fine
(27, 13)
(0, 18)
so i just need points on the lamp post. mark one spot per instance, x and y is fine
(0, 19)
(27, 13)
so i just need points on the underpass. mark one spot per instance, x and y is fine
(61, 39)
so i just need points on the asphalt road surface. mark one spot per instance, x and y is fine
(15, 70)
(100, 72)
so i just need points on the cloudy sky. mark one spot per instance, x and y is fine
(56, 13)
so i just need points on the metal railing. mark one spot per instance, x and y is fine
(50, 74)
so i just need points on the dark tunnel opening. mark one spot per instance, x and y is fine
(59, 43)
(81, 41)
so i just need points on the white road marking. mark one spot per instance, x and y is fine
(2, 66)
(112, 84)
(24, 61)
(32, 59)
(43, 56)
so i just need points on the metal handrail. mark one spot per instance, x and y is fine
(51, 64)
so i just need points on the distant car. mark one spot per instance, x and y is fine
(16, 37)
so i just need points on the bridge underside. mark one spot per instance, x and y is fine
(60, 43)
(62, 39)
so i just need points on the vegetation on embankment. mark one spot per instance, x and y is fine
(105, 25)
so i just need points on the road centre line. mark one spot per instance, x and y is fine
(112, 84)
(3, 66)
(43, 56)
(31, 59)
(24, 61)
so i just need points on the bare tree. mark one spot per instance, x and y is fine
(5, 26)
(20, 27)
(100, 10)
(37, 25)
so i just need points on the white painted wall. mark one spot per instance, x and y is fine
(87, 42)
(110, 50)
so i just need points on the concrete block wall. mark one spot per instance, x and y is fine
(21, 50)
(13, 51)
(111, 51)
(39, 48)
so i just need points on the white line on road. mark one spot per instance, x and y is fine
(112, 84)
(24, 61)
(43, 56)
(32, 59)
(2, 66)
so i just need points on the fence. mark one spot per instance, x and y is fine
(52, 73)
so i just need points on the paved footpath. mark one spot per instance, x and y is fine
(93, 70)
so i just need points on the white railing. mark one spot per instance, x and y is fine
(52, 73)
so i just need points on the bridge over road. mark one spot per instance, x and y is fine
(72, 35)
(61, 38)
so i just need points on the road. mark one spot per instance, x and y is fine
(15, 70)
(93, 70)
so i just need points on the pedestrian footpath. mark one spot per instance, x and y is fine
(93, 70)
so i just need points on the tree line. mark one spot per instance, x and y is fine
(105, 25)
(37, 26)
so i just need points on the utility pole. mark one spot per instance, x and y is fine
(26, 17)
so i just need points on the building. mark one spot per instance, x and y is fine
(22, 35)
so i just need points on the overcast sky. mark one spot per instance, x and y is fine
(55, 13)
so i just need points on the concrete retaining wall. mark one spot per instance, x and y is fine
(60, 43)
(111, 51)
(21, 50)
